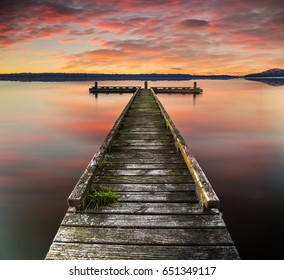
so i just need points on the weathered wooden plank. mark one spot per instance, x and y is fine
(142, 129)
(144, 221)
(166, 148)
(138, 157)
(154, 153)
(142, 142)
(154, 110)
(126, 131)
(157, 196)
(145, 104)
(149, 118)
(138, 136)
(146, 126)
(155, 119)
(141, 115)
(146, 101)
(144, 172)
(154, 166)
(173, 237)
(153, 160)
(144, 122)
(146, 187)
(152, 208)
(144, 113)
(142, 179)
(147, 110)
(143, 118)
(78, 251)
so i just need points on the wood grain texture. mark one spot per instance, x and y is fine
(129, 236)
(143, 166)
(152, 187)
(144, 221)
(143, 172)
(150, 208)
(78, 251)
(121, 179)
(152, 196)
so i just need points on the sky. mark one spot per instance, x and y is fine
(157, 36)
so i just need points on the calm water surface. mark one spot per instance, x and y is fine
(49, 132)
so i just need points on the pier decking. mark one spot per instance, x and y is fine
(112, 89)
(180, 90)
(158, 90)
(167, 209)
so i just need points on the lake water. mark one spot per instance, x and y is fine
(50, 131)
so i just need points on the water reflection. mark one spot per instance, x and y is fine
(276, 82)
(51, 130)
(236, 135)
(49, 135)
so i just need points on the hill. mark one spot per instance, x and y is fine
(271, 73)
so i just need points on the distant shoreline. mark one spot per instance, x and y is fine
(61, 77)
(81, 77)
(275, 73)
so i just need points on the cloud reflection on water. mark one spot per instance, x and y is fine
(51, 131)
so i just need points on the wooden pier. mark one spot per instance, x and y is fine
(180, 90)
(112, 89)
(158, 90)
(167, 208)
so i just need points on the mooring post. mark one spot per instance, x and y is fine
(96, 84)
(145, 84)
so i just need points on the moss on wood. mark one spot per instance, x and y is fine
(100, 197)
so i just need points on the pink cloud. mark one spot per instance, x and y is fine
(178, 29)
(99, 41)
(114, 26)
(85, 31)
(70, 41)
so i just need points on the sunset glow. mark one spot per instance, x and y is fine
(175, 36)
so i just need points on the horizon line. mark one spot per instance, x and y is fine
(132, 74)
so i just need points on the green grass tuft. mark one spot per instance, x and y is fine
(100, 197)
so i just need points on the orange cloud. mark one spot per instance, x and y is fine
(70, 41)
(181, 35)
